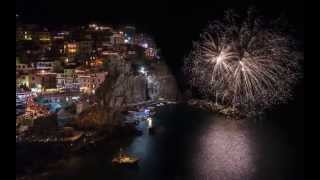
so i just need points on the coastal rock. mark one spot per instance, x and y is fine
(97, 117)
(214, 107)
(134, 82)
(129, 82)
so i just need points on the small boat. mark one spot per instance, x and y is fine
(152, 113)
(124, 159)
(160, 104)
(151, 107)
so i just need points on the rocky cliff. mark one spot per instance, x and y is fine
(134, 81)
(128, 82)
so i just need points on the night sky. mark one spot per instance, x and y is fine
(173, 25)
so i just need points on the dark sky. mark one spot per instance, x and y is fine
(173, 25)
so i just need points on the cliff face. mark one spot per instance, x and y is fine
(162, 83)
(128, 82)
(98, 117)
(133, 82)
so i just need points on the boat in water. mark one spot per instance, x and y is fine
(125, 159)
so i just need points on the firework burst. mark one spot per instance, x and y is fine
(245, 63)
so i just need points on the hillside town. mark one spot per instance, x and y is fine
(71, 60)
(59, 69)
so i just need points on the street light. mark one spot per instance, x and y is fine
(142, 70)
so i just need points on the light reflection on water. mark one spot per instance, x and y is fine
(225, 151)
(141, 146)
(191, 146)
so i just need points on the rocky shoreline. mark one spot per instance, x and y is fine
(38, 164)
(35, 164)
(210, 106)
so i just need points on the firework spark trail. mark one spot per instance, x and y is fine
(246, 64)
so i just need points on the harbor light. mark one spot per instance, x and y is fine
(149, 121)
(145, 45)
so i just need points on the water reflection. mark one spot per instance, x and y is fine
(141, 146)
(225, 151)
(193, 145)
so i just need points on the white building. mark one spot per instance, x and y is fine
(90, 82)
(24, 67)
(117, 38)
(45, 65)
(29, 80)
(68, 81)
(150, 52)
